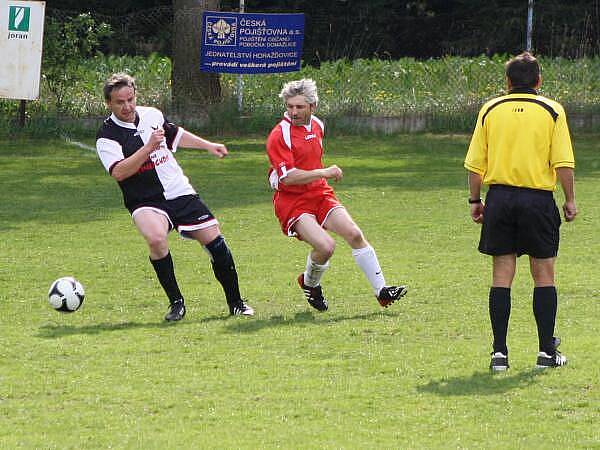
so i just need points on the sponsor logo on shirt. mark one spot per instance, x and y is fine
(158, 160)
(153, 162)
(308, 137)
(148, 165)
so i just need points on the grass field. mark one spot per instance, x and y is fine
(114, 375)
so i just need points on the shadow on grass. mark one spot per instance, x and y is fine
(479, 383)
(299, 319)
(238, 325)
(59, 331)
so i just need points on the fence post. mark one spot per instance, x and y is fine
(240, 80)
(21, 113)
(529, 24)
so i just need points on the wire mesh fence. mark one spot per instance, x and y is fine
(416, 92)
(357, 29)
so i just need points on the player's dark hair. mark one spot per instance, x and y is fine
(523, 71)
(117, 81)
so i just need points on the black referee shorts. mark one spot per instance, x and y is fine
(520, 220)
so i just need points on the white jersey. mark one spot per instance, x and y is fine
(160, 177)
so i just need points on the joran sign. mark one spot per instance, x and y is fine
(21, 36)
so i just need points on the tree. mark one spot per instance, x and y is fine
(193, 91)
(66, 44)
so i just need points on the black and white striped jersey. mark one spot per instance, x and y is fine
(160, 176)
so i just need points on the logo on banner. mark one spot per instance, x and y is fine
(18, 18)
(221, 31)
(18, 22)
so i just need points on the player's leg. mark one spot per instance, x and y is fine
(317, 261)
(498, 239)
(322, 245)
(544, 301)
(154, 226)
(545, 305)
(503, 272)
(223, 267)
(539, 238)
(340, 222)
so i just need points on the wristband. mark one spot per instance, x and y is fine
(473, 201)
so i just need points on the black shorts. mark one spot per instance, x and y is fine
(520, 220)
(186, 213)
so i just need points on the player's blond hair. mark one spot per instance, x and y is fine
(305, 87)
(117, 81)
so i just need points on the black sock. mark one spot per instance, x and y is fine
(224, 269)
(499, 306)
(545, 303)
(166, 275)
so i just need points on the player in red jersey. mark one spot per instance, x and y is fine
(306, 205)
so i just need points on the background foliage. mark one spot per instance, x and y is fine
(368, 58)
(66, 44)
(448, 90)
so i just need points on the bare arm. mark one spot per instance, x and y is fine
(130, 165)
(299, 176)
(190, 140)
(566, 176)
(475, 182)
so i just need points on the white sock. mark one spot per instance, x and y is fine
(314, 272)
(368, 263)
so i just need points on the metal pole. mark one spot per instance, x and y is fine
(529, 24)
(240, 80)
(21, 113)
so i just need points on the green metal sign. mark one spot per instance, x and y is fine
(18, 18)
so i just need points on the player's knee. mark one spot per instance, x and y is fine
(326, 248)
(355, 238)
(543, 279)
(157, 243)
(542, 271)
(219, 251)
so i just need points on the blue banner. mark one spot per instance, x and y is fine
(251, 43)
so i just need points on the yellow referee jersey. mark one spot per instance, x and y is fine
(519, 140)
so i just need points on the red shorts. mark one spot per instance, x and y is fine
(289, 207)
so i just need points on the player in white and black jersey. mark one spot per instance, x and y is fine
(136, 146)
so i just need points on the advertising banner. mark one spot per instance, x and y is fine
(251, 43)
(21, 36)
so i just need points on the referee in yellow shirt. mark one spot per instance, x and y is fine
(520, 145)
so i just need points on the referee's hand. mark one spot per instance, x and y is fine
(477, 212)
(570, 211)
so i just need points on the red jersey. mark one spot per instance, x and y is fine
(295, 147)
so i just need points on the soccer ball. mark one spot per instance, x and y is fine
(66, 294)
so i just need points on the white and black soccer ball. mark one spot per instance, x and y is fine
(66, 294)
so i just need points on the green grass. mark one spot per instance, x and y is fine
(114, 375)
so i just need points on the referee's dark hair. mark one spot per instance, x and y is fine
(523, 71)
(117, 81)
